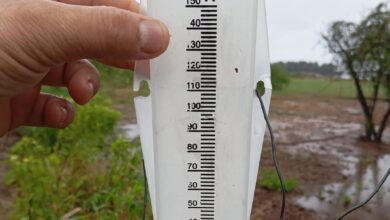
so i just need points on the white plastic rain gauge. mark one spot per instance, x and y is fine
(202, 127)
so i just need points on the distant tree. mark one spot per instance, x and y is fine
(363, 50)
(328, 69)
(279, 77)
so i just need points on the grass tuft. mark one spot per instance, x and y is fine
(269, 180)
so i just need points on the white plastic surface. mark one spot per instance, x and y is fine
(242, 61)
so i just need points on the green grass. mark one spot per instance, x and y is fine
(84, 167)
(324, 87)
(347, 200)
(60, 92)
(114, 77)
(111, 79)
(117, 84)
(269, 180)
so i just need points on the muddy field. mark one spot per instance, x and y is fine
(319, 144)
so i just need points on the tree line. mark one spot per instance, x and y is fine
(314, 68)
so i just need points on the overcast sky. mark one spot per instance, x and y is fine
(295, 26)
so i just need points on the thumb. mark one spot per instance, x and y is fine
(98, 32)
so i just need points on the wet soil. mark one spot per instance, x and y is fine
(320, 144)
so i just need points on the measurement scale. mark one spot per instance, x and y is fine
(201, 127)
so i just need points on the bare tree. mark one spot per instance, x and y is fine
(363, 50)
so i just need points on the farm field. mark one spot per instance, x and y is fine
(320, 147)
(327, 87)
(317, 125)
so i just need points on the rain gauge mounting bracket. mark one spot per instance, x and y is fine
(201, 126)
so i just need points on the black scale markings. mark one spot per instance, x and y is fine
(206, 49)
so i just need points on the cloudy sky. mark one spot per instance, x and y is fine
(295, 26)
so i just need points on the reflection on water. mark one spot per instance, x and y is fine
(362, 176)
(130, 131)
(332, 129)
(337, 141)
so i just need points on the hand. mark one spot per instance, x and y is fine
(45, 42)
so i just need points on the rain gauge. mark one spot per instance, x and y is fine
(201, 126)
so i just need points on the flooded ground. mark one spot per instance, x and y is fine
(130, 131)
(319, 143)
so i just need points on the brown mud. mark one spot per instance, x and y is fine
(320, 144)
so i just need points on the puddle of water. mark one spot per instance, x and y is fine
(130, 131)
(335, 136)
(352, 111)
(279, 125)
(341, 129)
(364, 175)
(386, 136)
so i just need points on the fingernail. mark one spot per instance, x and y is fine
(91, 89)
(63, 114)
(151, 36)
